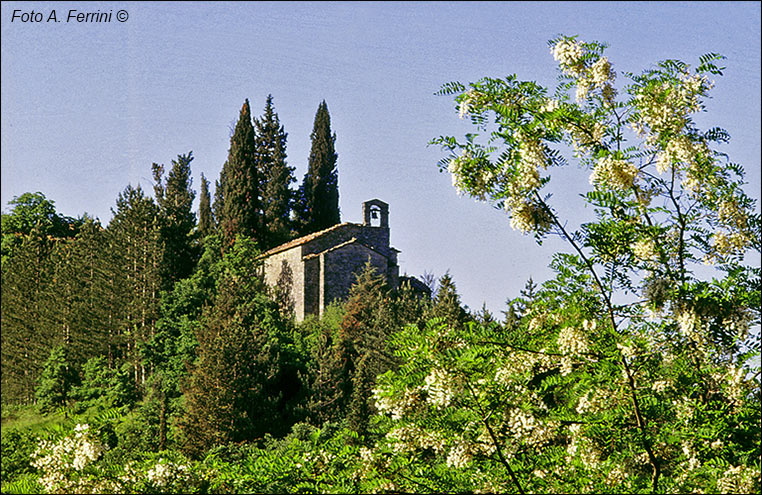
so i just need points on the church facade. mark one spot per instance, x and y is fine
(316, 269)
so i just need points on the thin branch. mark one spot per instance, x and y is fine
(498, 449)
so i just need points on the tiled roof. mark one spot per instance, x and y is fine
(343, 244)
(302, 240)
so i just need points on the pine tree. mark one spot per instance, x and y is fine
(136, 257)
(205, 217)
(26, 335)
(243, 381)
(276, 178)
(240, 211)
(446, 303)
(318, 195)
(360, 352)
(175, 200)
(57, 380)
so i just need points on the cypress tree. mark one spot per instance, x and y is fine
(276, 178)
(205, 217)
(175, 200)
(319, 193)
(241, 211)
(219, 199)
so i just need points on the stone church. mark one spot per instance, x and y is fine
(319, 268)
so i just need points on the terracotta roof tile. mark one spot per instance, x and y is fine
(353, 240)
(302, 240)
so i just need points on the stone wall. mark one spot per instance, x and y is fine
(323, 269)
(340, 267)
(273, 268)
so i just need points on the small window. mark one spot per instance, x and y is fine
(375, 216)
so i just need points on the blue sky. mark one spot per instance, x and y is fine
(86, 108)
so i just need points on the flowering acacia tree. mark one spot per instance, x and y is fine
(627, 371)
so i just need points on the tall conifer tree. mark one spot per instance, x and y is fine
(319, 193)
(241, 211)
(177, 220)
(276, 178)
(205, 217)
(135, 262)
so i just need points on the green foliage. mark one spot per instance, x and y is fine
(17, 448)
(245, 377)
(627, 364)
(177, 222)
(276, 177)
(104, 387)
(318, 198)
(134, 267)
(309, 460)
(628, 371)
(57, 379)
(446, 303)
(33, 211)
(205, 216)
(239, 211)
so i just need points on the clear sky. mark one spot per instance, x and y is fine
(87, 107)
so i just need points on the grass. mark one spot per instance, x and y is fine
(28, 417)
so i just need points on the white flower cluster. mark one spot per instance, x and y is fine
(732, 215)
(480, 181)
(166, 472)
(459, 456)
(582, 447)
(601, 72)
(568, 53)
(664, 108)
(572, 341)
(529, 430)
(738, 324)
(616, 476)
(56, 460)
(600, 75)
(628, 351)
(684, 409)
(693, 462)
(728, 243)
(584, 135)
(540, 319)
(466, 103)
(691, 325)
(455, 168)
(550, 105)
(397, 407)
(532, 158)
(644, 249)
(592, 402)
(437, 386)
(735, 379)
(407, 438)
(527, 216)
(613, 173)
(735, 239)
(739, 479)
(659, 386)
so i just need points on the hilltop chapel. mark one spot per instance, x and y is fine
(318, 268)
